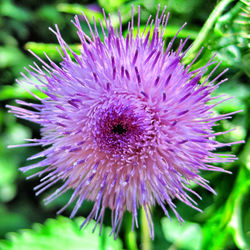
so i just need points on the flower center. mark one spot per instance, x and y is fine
(123, 127)
(119, 129)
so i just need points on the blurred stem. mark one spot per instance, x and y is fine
(130, 236)
(206, 29)
(145, 234)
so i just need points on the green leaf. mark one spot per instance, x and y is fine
(14, 134)
(234, 25)
(111, 5)
(186, 236)
(216, 236)
(17, 92)
(7, 38)
(7, 8)
(182, 6)
(10, 56)
(50, 49)
(234, 207)
(170, 31)
(8, 176)
(17, 133)
(234, 88)
(229, 55)
(205, 30)
(245, 156)
(77, 9)
(50, 14)
(226, 224)
(246, 64)
(231, 40)
(12, 92)
(61, 233)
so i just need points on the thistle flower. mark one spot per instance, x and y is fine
(125, 123)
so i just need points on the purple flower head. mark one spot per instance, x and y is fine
(125, 123)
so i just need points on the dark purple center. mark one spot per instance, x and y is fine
(123, 127)
(119, 129)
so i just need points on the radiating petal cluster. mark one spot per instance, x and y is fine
(125, 123)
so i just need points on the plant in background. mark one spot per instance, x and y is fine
(125, 123)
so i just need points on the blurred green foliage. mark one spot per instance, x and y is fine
(224, 224)
(61, 233)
